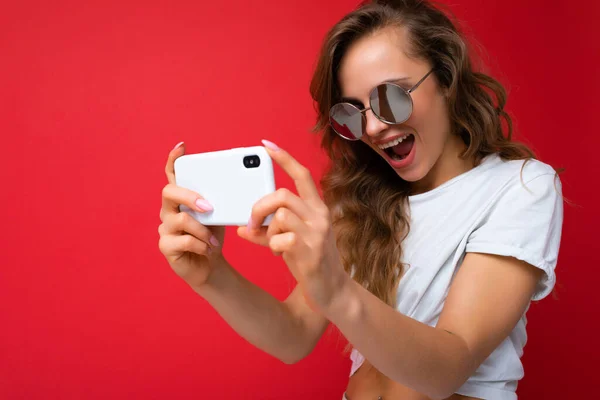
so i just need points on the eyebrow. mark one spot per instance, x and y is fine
(353, 100)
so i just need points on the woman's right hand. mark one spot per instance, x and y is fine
(192, 249)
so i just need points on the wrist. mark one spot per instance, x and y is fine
(345, 302)
(219, 268)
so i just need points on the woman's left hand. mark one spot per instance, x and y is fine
(301, 231)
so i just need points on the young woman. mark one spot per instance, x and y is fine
(435, 233)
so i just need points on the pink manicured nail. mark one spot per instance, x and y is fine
(213, 240)
(178, 145)
(204, 205)
(270, 145)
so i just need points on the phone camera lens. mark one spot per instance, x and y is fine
(251, 161)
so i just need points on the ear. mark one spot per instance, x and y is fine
(446, 92)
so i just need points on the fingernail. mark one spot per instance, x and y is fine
(178, 145)
(213, 240)
(250, 224)
(204, 205)
(270, 145)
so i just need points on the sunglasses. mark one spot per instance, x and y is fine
(389, 102)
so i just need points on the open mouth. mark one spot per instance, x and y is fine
(401, 150)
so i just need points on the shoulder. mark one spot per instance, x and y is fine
(530, 169)
(522, 217)
(518, 191)
(514, 174)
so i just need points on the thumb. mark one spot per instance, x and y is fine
(254, 236)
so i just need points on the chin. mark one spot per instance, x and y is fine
(410, 176)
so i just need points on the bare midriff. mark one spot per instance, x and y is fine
(368, 384)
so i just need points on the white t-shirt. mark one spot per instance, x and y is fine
(496, 208)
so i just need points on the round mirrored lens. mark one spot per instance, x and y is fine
(391, 103)
(347, 121)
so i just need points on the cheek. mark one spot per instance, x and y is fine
(366, 141)
(430, 118)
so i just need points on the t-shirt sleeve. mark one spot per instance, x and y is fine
(525, 222)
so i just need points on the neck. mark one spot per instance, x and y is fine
(449, 165)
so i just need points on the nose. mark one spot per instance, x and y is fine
(374, 125)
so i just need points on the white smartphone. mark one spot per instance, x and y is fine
(232, 181)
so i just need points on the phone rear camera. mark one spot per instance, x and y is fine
(251, 161)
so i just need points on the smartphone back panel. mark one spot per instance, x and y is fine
(231, 180)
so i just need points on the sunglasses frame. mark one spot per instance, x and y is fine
(363, 111)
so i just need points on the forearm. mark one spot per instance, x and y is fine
(429, 360)
(254, 314)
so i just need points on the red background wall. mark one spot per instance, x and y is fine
(92, 97)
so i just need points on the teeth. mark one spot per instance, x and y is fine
(393, 143)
